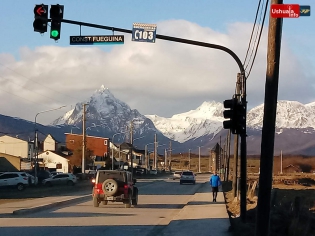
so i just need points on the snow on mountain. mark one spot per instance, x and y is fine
(104, 110)
(290, 114)
(206, 119)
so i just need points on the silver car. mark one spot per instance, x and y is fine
(177, 175)
(61, 179)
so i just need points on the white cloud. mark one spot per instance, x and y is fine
(161, 78)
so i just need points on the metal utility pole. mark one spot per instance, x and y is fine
(155, 151)
(269, 123)
(228, 155)
(83, 139)
(131, 142)
(189, 159)
(199, 160)
(243, 135)
(235, 164)
(170, 158)
(219, 161)
(165, 158)
(281, 162)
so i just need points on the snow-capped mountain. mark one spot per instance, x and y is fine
(107, 115)
(205, 120)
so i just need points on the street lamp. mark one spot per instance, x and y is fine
(36, 136)
(146, 155)
(199, 158)
(113, 148)
(189, 159)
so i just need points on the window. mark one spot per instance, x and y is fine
(105, 142)
(59, 166)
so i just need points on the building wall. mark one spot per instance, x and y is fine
(95, 146)
(9, 162)
(49, 144)
(51, 160)
(99, 145)
(14, 146)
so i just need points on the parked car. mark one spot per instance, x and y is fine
(61, 179)
(153, 172)
(187, 177)
(177, 175)
(53, 173)
(41, 175)
(14, 179)
(115, 186)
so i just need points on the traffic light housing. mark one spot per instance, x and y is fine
(236, 114)
(41, 18)
(56, 15)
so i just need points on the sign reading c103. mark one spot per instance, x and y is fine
(144, 32)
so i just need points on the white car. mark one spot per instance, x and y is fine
(177, 175)
(61, 179)
(33, 180)
(187, 177)
(14, 179)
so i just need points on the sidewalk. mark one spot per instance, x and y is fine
(201, 216)
(37, 204)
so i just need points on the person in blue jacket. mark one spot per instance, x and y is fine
(215, 182)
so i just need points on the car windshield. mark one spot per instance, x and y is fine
(187, 173)
(103, 175)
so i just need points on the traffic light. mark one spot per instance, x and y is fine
(236, 114)
(230, 114)
(56, 15)
(41, 16)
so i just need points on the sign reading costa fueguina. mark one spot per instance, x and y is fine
(96, 39)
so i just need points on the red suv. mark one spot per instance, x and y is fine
(114, 186)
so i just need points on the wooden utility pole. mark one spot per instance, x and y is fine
(83, 139)
(235, 164)
(269, 123)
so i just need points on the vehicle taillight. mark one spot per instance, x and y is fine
(125, 186)
(25, 178)
(98, 186)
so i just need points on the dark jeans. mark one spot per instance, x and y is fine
(215, 192)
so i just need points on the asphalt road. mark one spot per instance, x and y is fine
(159, 202)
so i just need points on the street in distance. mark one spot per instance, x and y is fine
(97, 39)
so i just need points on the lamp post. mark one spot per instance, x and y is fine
(199, 158)
(189, 159)
(36, 136)
(113, 148)
(146, 155)
(156, 156)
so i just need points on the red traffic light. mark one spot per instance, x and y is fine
(41, 11)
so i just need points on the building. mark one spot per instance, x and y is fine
(216, 155)
(291, 169)
(16, 147)
(54, 161)
(95, 146)
(50, 143)
(9, 163)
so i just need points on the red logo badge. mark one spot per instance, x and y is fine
(285, 10)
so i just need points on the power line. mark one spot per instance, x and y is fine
(251, 36)
(261, 29)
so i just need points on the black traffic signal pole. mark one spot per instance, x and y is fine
(243, 184)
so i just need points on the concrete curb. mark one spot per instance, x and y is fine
(51, 205)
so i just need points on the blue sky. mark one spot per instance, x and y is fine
(227, 23)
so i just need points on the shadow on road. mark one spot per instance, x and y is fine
(161, 206)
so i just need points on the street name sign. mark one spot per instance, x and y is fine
(97, 39)
(144, 32)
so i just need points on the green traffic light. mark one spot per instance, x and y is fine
(54, 33)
